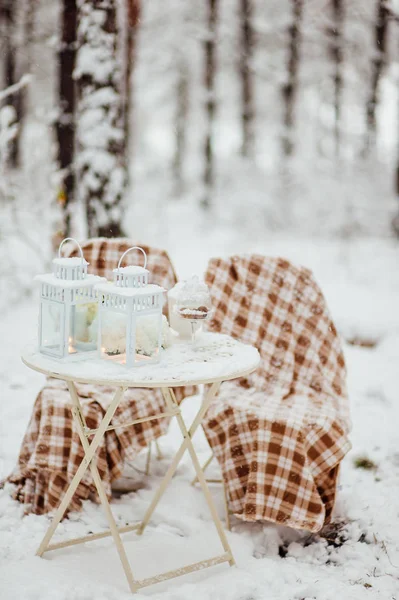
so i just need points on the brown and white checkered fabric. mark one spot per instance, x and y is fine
(103, 255)
(51, 449)
(279, 434)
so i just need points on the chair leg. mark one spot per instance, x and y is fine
(148, 461)
(158, 449)
(226, 506)
(149, 455)
(225, 498)
(204, 467)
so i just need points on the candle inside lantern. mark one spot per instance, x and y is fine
(146, 337)
(71, 347)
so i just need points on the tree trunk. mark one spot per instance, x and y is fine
(395, 220)
(30, 7)
(28, 33)
(180, 124)
(336, 51)
(379, 61)
(210, 101)
(247, 99)
(102, 157)
(290, 89)
(8, 16)
(132, 21)
(65, 126)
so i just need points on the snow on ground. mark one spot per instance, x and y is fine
(361, 282)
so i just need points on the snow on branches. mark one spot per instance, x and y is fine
(101, 146)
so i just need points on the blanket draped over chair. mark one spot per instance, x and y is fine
(279, 434)
(51, 449)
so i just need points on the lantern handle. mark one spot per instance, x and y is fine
(128, 250)
(71, 240)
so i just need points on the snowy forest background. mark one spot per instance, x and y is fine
(233, 120)
(209, 127)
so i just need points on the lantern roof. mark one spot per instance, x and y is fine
(51, 279)
(131, 270)
(73, 261)
(117, 290)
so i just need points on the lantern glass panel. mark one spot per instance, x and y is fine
(113, 335)
(82, 335)
(52, 328)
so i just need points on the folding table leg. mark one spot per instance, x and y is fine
(202, 479)
(81, 424)
(80, 471)
(188, 445)
(89, 461)
(213, 390)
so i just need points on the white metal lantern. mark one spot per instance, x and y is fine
(68, 305)
(130, 316)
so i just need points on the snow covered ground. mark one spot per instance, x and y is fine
(361, 282)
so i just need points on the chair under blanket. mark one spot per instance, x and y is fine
(51, 450)
(279, 435)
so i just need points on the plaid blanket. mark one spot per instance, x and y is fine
(279, 434)
(51, 450)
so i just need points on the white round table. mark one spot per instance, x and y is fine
(213, 359)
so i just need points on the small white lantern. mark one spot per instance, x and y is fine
(130, 316)
(68, 305)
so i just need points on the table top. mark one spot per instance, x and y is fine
(215, 357)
